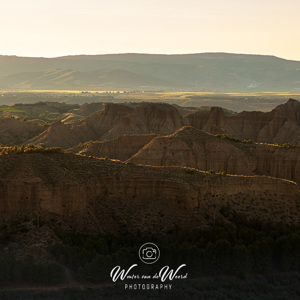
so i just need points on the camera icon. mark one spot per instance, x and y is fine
(149, 253)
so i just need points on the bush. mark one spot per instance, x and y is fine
(222, 173)
(29, 149)
(230, 138)
(247, 141)
(287, 145)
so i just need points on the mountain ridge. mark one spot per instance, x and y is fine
(204, 71)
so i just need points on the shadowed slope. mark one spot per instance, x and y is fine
(104, 195)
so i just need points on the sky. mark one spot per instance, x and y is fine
(51, 28)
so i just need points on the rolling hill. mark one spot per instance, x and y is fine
(202, 72)
(107, 79)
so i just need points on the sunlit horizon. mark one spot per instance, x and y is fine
(60, 28)
(140, 53)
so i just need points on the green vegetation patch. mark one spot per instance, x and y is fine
(12, 110)
(43, 117)
(29, 149)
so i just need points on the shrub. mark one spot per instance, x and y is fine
(287, 145)
(222, 173)
(247, 141)
(29, 149)
(230, 138)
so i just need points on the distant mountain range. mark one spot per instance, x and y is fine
(216, 72)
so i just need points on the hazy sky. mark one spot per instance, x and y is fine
(62, 27)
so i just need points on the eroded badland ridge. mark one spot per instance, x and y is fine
(120, 195)
(281, 125)
(191, 147)
(101, 195)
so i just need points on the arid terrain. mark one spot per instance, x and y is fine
(150, 150)
(237, 156)
(71, 171)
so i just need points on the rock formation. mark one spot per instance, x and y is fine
(191, 147)
(91, 127)
(62, 135)
(112, 121)
(110, 196)
(146, 118)
(281, 125)
(14, 131)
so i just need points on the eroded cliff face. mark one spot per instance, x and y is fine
(276, 161)
(35, 195)
(157, 205)
(190, 147)
(108, 196)
(113, 121)
(92, 127)
(146, 118)
(281, 125)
